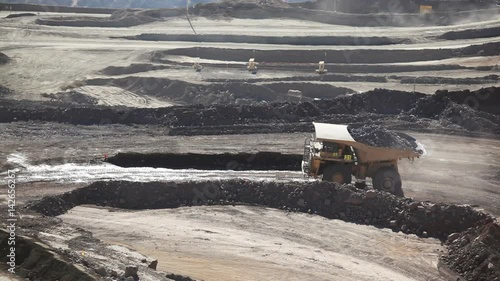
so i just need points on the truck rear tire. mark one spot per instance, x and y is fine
(337, 173)
(388, 179)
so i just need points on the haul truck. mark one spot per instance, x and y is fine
(334, 154)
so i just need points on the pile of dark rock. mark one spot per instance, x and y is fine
(475, 253)
(322, 198)
(456, 112)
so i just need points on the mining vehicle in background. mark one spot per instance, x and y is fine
(252, 66)
(336, 156)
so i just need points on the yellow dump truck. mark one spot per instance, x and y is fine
(334, 154)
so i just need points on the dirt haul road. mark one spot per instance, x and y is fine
(224, 243)
(456, 169)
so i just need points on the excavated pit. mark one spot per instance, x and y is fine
(260, 161)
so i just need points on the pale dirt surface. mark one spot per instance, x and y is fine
(111, 96)
(4, 276)
(254, 243)
(456, 170)
(44, 70)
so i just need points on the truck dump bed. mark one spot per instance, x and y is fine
(365, 153)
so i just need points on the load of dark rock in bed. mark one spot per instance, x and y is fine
(377, 136)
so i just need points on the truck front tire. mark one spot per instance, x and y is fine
(388, 179)
(337, 173)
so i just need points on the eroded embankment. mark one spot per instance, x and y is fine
(35, 261)
(241, 161)
(472, 235)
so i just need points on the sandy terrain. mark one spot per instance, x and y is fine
(111, 96)
(253, 243)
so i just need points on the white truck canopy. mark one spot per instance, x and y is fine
(332, 132)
